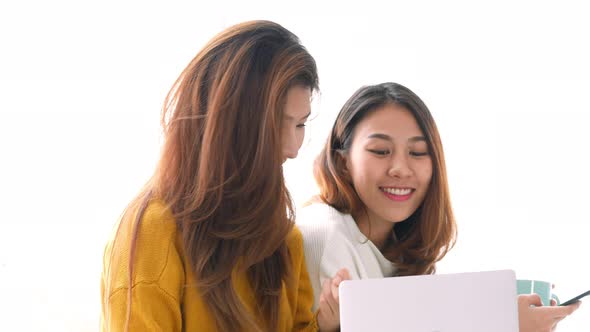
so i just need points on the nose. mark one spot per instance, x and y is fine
(399, 166)
(289, 154)
(290, 146)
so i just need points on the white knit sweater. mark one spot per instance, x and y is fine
(332, 241)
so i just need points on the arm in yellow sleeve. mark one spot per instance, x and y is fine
(304, 320)
(152, 309)
(158, 276)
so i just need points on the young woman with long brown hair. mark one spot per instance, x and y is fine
(384, 208)
(209, 244)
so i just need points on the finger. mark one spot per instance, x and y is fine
(533, 300)
(573, 307)
(325, 310)
(569, 309)
(344, 274)
(340, 276)
(326, 297)
(556, 312)
(331, 294)
(553, 302)
(334, 287)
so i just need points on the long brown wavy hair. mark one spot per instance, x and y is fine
(220, 171)
(430, 232)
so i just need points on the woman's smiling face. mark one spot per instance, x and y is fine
(389, 164)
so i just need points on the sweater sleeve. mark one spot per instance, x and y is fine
(152, 309)
(158, 276)
(303, 319)
(327, 246)
(315, 229)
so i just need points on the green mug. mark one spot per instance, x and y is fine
(539, 287)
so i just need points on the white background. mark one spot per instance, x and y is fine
(81, 85)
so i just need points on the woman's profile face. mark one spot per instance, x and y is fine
(297, 110)
(389, 164)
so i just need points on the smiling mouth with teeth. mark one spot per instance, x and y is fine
(397, 191)
(397, 194)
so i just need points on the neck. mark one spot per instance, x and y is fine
(374, 228)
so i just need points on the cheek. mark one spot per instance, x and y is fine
(284, 138)
(300, 137)
(362, 171)
(425, 173)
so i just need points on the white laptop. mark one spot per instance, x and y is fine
(462, 302)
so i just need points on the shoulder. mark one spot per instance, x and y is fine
(320, 225)
(319, 219)
(326, 229)
(157, 225)
(317, 213)
(294, 239)
(155, 248)
(157, 221)
(294, 243)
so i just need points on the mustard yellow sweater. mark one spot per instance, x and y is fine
(162, 301)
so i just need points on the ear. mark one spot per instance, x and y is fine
(343, 163)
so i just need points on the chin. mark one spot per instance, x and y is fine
(397, 218)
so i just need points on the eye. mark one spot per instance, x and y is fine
(379, 152)
(301, 125)
(418, 153)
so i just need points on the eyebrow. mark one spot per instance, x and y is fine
(388, 138)
(288, 117)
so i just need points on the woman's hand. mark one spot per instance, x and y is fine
(534, 317)
(329, 305)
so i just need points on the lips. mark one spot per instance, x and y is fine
(397, 194)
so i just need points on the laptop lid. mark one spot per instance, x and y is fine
(461, 302)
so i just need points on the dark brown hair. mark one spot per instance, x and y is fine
(430, 232)
(220, 171)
